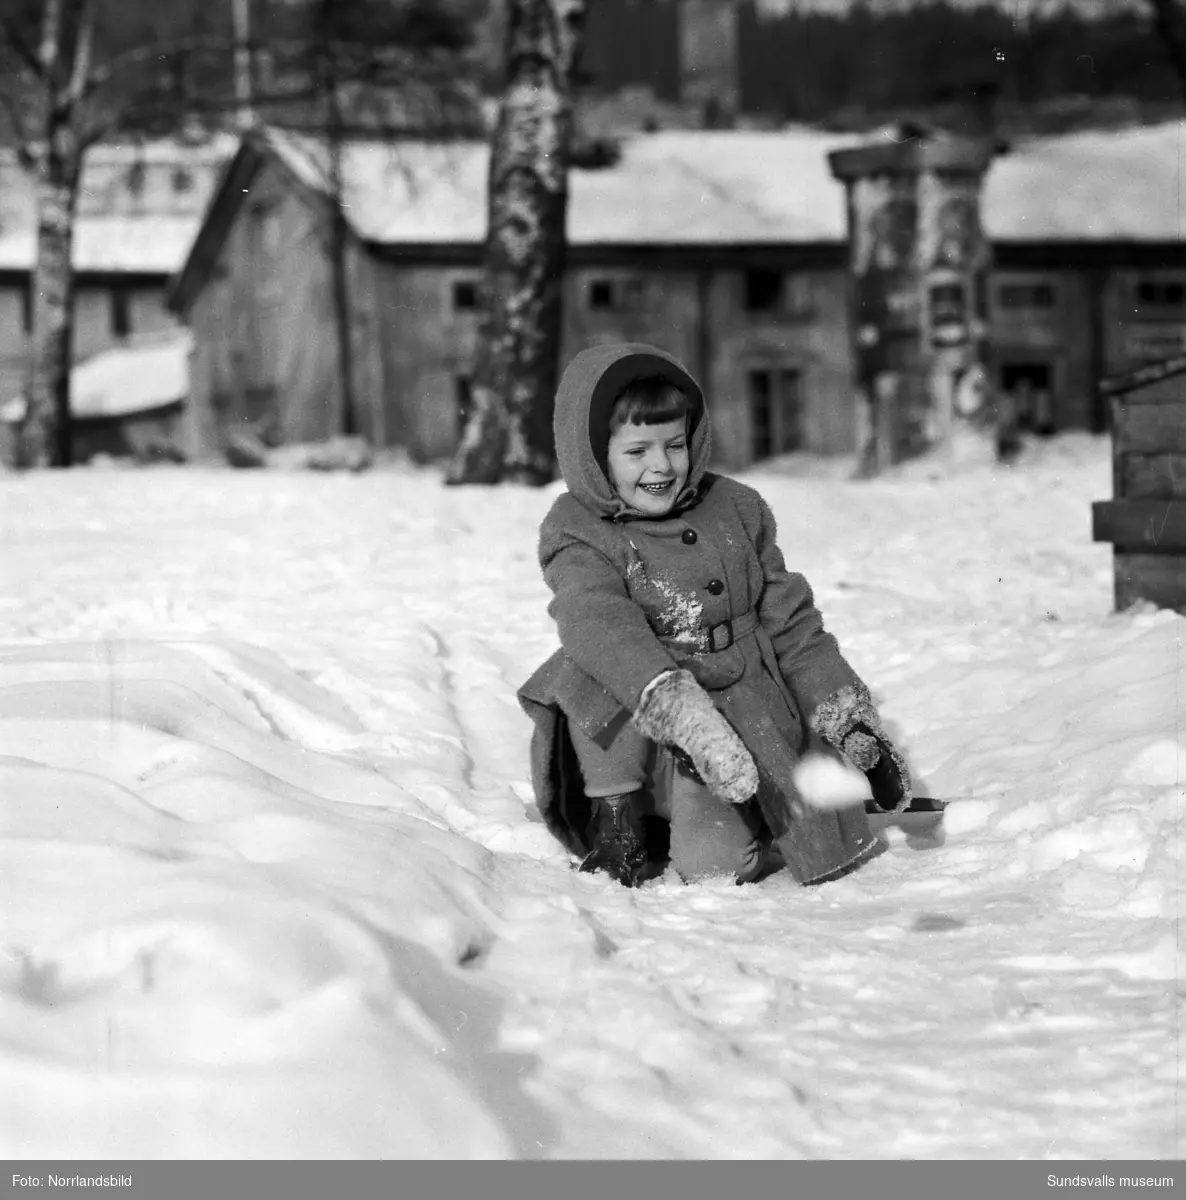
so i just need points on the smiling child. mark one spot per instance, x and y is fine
(694, 667)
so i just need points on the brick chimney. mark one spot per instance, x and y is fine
(708, 61)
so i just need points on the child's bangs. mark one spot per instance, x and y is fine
(649, 402)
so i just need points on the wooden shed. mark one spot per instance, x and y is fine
(1146, 519)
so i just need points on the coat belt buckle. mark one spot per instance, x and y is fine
(727, 626)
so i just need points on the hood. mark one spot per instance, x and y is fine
(591, 383)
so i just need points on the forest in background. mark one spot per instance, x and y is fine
(867, 63)
(1047, 69)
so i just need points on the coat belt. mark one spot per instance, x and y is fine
(714, 638)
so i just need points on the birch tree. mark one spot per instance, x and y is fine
(66, 77)
(51, 150)
(508, 430)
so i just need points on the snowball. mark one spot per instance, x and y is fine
(825, 782)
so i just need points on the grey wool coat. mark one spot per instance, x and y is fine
(704, 588)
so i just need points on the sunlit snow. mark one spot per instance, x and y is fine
(271, 885)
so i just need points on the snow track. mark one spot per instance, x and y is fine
(271, 885)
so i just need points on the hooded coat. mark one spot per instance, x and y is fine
(704, 588)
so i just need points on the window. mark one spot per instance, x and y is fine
(1161, 293)
(1026, 295)
(465, 295)
(601, 294)
(618, 295)
(136, 178)
(763, 290)
(121, 311)
(27, 307)
(776, 412)
(182, 179)
(1031, 386)
(463, 401)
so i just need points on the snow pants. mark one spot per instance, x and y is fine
(708, 836)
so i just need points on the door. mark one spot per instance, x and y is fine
(1030, 384)
(776, 411)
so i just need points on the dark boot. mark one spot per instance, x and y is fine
(619, 844)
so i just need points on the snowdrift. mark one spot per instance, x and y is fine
(214, 934)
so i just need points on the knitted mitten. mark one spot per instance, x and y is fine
(676, 711)
(848, 722)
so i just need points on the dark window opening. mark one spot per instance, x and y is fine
(465, 294)
(136, 178)
(121, 312)
(183, 180)
(1156, 293)
(763, 290)
(27, 307)
(776, 412)
(618, 295)
(463, 401)
(1026, 295)
(1029, 387)
(601, 294)
(761, 417)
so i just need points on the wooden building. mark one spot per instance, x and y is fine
(725, 247)
(1146, 519)
(140, 206)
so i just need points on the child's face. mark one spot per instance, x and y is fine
(648, 464)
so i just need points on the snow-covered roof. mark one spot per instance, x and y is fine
(675, 187)
(1103, 185)
(139, 206)
(124, 381)
(719, 187)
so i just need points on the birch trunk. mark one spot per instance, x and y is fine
(508, 434)
(45, 437)
(55, 158)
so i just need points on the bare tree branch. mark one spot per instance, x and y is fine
(17, 42)
(84, 45)
(18, 118)
(51, 32)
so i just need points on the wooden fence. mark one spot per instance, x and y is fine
(1146, 520)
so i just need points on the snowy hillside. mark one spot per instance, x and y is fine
(271, 885)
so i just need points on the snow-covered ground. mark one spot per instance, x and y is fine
(270, 884)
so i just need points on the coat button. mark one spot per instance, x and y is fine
(688, 537)
(715, 587)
